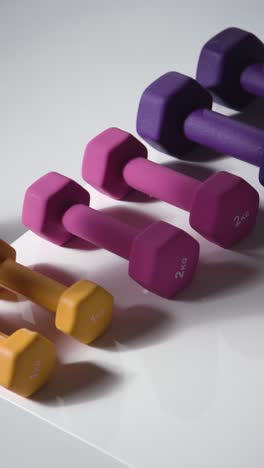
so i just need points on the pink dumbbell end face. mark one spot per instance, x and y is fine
(224, 209)
(170, 259)
(45, 203)
(104, 158)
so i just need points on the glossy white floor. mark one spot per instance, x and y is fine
(173, 383)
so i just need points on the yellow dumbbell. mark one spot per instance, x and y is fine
(83, 311)
(26, 361)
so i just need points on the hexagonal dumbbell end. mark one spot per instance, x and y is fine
(163, 259)
(26, 361)
(166, 248)
(225, 196)
(216, 209)
(105, 157)
(45, 203)
(84, 311)
(163, 108)
(175, 113)
(223, 60)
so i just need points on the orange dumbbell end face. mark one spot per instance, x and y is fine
(85, 311)
(6, 251)
(26, 361)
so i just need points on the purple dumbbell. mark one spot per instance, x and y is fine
(162, 257)
(223, 209)
(175, 112)
(231, 66)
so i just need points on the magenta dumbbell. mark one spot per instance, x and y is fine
(223, 209)
(162, 257)
(231, 66)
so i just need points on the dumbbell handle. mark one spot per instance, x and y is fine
(226, 135)
(161, 182)
(31, 284)
(252, 79)
(100, 229)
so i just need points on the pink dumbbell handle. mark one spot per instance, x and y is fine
(161, 182)
(100, 229)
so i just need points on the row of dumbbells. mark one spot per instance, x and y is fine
(174, 112)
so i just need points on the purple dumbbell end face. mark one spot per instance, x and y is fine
(45, 203)
(104, 158)
(163, 108)
(222, 60)
(163, 259)
(224, 209)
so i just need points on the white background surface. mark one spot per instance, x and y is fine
(69, 70)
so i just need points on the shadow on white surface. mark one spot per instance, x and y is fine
(197, 171)
(136, 327)
(76, 382)
(253, 114)
(79, 244)
(131, 216)
(138, 197)
(201, 154)
(56, 273)
(29, 315)
(217, 279)
(11, 230)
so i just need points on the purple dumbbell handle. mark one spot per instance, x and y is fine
(100, 229)
(226, 135)
(160, 182)
(252, 79)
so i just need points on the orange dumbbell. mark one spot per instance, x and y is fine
(26, 361)
(83, 311)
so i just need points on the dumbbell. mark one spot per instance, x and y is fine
(231, 66)
(162, 258)
(175, 112)
(26, 361)
(83, 311)
(223, 209)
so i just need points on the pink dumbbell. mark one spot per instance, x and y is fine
(162, 258)
(223, 209)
